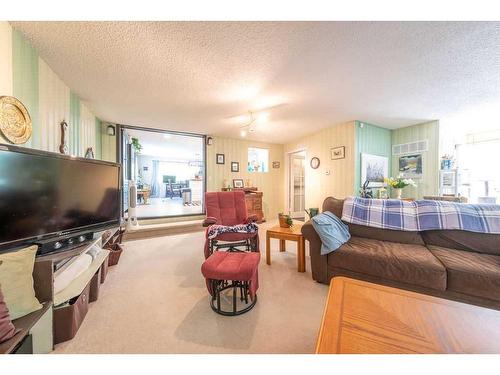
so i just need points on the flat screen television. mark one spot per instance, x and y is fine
(45, 195)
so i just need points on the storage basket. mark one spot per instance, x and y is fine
(115, 252)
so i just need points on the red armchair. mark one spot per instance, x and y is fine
(229, 208)
(234, 269)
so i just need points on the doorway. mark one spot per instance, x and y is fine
(168, 169)
(296, 191)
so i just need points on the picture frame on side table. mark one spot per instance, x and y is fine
(220, 159)
(238, 183)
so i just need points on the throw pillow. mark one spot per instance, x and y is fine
(16, 279)
(7, 329)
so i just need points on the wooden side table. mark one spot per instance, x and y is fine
(287, 234)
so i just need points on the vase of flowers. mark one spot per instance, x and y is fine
(399, 183)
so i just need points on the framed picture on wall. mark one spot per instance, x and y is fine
(235, 166)
(238, 183)
(374, 169)
(337, 153)
(220, 159)
(410, 166)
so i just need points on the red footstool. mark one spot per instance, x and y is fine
(237, 270)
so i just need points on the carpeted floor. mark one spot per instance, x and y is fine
(155, 301)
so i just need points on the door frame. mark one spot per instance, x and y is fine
(122, 127)
(288, 177)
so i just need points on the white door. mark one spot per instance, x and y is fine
(297, 184)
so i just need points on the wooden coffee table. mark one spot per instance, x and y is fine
(362, 317)
(287, 234)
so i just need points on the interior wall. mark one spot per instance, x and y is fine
(54, 107)
(48, 99)
(25, 73)
(5, 62)
(333, 177)
(87, 130)
(371, 139)
(98, 138)
(270, 183)
(429, 183)
(108, 143)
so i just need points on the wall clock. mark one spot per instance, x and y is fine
(315, 163)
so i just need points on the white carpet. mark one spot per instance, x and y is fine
(155, 301)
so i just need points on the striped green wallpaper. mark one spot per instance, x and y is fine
(25, 81)
(74, 123)
(98, 139)
(49, 101)
(370, 139)
(429, 183)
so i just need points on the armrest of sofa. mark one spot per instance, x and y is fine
(319, 263)
(209, 221)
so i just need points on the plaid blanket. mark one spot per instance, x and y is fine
(422, 215)
(216, 230)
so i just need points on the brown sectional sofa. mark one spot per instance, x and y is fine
(452, 264)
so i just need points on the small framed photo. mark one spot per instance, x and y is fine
(238, 183)
(337, 153)
(382, 193)
(235, 166)
(220, 159)
(276, 164)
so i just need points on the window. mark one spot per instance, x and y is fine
(478, 159)
(258, 159)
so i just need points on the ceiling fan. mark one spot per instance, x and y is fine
(253, 120)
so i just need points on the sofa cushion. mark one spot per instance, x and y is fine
(470, 273)
(462, 240)
(336, 205)
(405, 263)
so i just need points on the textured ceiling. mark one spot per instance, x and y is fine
(196, 76)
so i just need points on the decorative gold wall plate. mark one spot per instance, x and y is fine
(15, 121)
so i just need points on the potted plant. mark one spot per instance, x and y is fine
(399, 183)
(136, 145)
(285, 220)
